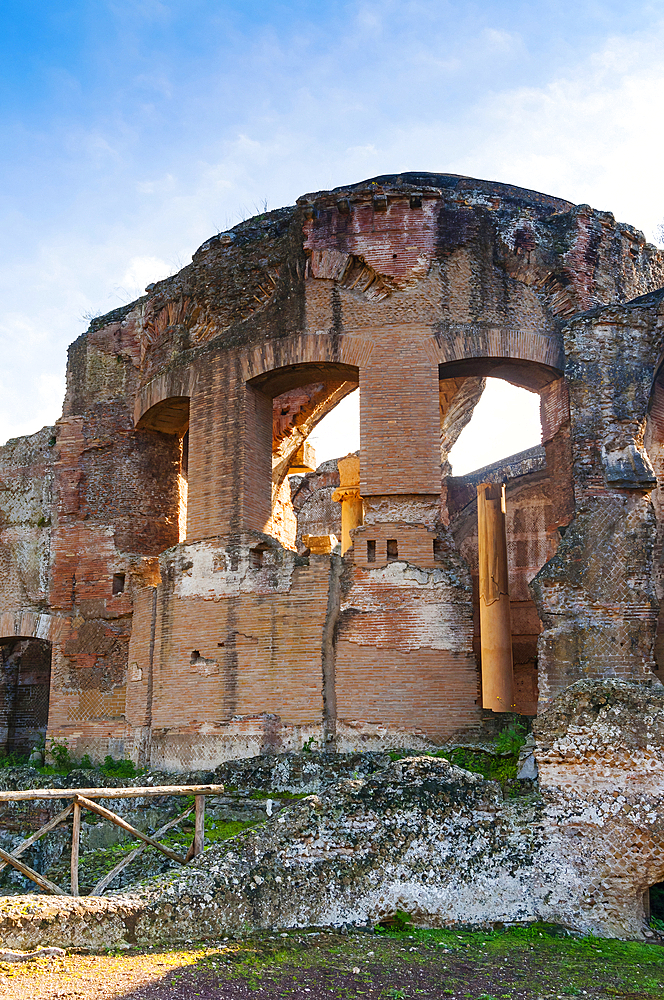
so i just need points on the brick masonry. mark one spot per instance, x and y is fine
(154, 542)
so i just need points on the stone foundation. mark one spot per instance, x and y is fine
(422, 836)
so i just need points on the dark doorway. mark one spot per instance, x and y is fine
(657, 904)
(25, 679)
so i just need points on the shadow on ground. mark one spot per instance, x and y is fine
(535, 963)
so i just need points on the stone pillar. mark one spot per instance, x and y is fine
(348, 495)
(495, 625)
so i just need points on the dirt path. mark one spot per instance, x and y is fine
(433, 965)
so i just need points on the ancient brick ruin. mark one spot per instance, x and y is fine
(194, 602)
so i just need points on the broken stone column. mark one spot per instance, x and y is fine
(495, 624)
(320, 545)
(348, 495)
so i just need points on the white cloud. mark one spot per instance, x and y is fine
(141, 272)
(593, 136)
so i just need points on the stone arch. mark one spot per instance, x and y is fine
(498, 346)
(172, 385)
(529, 373)
(301, 396)
(286, 356)
(26, 641)
(30, 625)
(275, 380)
(167, 418)
(535, 481)
(461, 382)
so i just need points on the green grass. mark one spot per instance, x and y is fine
(535, 961)
(63, 763)
(490, 765)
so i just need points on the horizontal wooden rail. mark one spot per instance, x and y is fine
(30, 794)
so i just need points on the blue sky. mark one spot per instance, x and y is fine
(134, 129)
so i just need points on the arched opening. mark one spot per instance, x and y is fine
(335, 442)
(506, 421)
(538, 490)
(25, 680)
(168, 423)
(302, 396)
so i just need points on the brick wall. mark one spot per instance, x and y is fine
(395, 284)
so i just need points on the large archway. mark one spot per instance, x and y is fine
(302, 395)
(25, 678)
(168, 422)
(539, 499)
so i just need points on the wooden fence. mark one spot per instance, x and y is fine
(83, 799)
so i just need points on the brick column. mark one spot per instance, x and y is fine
(230, 455)
(400, 418)
(400, 469)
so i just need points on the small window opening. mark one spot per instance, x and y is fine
(184, 455)
(256, 557)
(234, 561)
(195, 656)
(371, 551)
(118, 584)
(392, 549)
(438, 548)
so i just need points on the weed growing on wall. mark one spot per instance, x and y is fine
(62, 762)
(113, 768)
(499, 763)
(59, 754)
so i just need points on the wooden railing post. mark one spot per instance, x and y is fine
(75, 843)
(199, 826)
